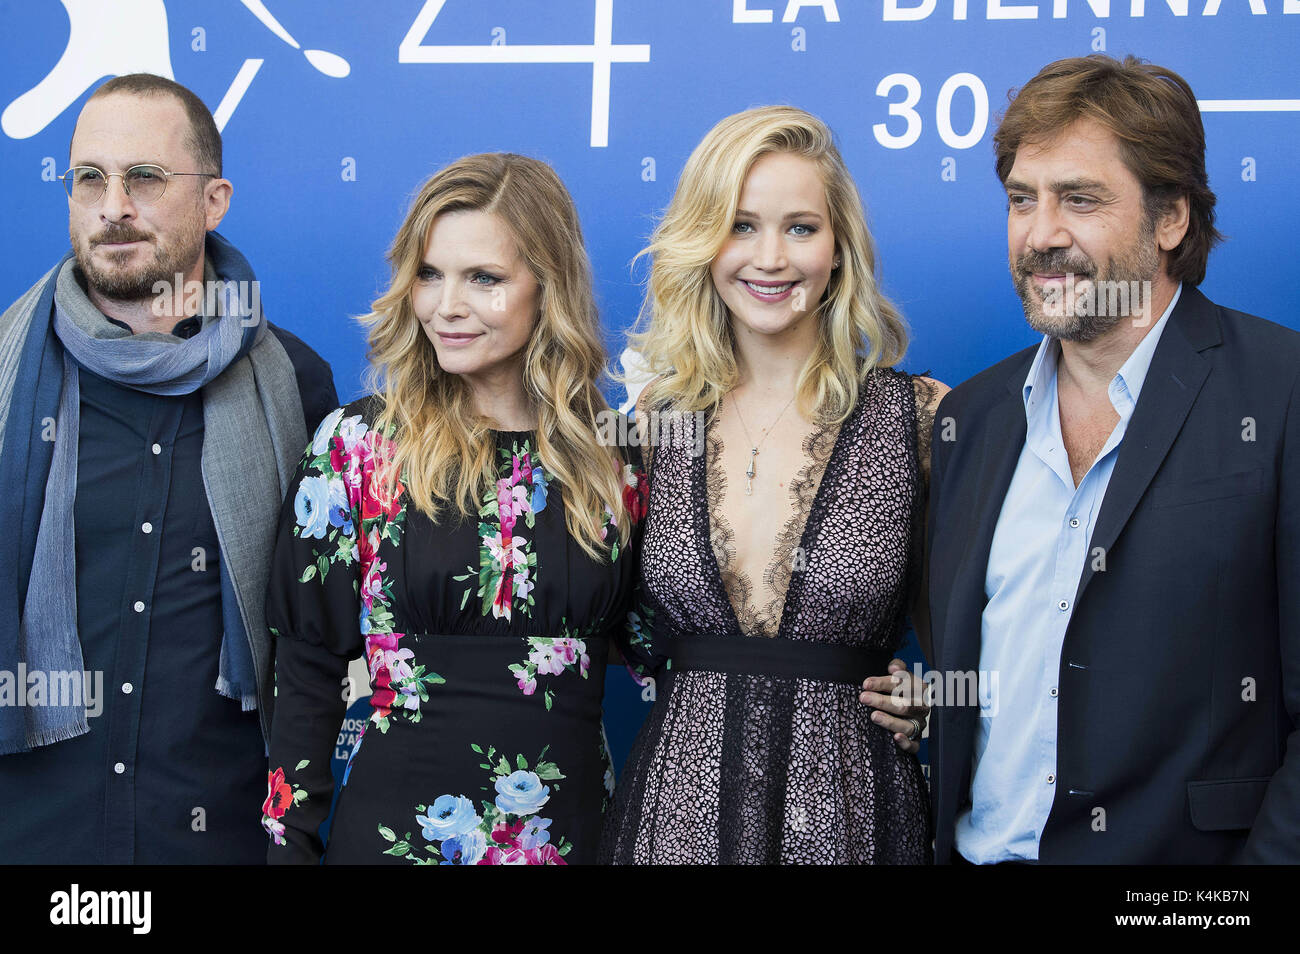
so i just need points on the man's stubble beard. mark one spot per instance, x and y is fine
(136, 283)
(1139, 263)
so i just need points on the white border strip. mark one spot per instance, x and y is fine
(1249, 105)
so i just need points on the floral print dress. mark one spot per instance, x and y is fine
(486, 644)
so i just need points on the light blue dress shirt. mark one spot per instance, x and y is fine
(1038, 554)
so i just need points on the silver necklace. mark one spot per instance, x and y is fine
(753, 448)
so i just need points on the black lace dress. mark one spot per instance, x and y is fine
(757, 749)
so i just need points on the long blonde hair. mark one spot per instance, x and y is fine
(687, 339)
(444, 450)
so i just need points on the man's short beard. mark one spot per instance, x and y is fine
(137, 283)
(1068, 326)
(1138, 263)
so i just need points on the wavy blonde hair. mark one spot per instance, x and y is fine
(444, 449)
(686, 337)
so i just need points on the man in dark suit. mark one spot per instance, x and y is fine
(1114, 544)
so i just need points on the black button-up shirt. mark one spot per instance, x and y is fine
(170, 772)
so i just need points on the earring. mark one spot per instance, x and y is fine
(835, 264)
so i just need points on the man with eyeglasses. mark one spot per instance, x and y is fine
(147, 436)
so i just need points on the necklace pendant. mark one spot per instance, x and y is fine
(753, 450)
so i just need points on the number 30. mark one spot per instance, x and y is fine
(942, 111)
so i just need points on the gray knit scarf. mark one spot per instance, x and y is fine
(253, 435)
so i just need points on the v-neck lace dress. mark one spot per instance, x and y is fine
(757, 749)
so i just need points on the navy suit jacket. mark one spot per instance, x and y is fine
(1179, 683)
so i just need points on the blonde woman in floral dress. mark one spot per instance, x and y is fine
(466, 531)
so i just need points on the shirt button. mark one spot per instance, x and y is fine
(1074, 521)
(157, 448)
(138, 607)
(1051, 780)
(1063, 605)
(1052, 692)
(146, 527)
(127, 688)
(119, 768)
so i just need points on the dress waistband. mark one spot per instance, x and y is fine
(778, 657)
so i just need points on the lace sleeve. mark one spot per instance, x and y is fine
(929, 393)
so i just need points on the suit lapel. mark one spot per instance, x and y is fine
(1001, 431)
(1004, 438)
(1178, 370)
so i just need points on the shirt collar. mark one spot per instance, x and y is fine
(1133, 372)
(185, 328)
(1124, 387)
(191, 326)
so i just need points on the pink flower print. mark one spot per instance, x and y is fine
(388, 669)
(275, 829)
(501, 601)
(545, 659)
(367, 546)
(507, 552)
(381, 692)
(551, 855)
(503, 834)
(352, 478)
(505, 507)
(519, 495)
(523, 469)
(375, 497)
(564, 649)
(399, 664)
(505, 856)
(527, 683)
(545, 855)
(384, 652)
(350, 431)
(361, 457)
(372, 585)
(523, 583)
(382, 642)
(377, 500)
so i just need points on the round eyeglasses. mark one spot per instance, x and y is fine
(86, 185)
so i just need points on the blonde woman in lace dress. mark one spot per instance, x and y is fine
(778, 566)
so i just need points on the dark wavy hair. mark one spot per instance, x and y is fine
(1151, 111)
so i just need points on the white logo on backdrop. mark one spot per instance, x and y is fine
(130, 36)
(601, 54)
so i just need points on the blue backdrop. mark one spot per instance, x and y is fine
(333, 112)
